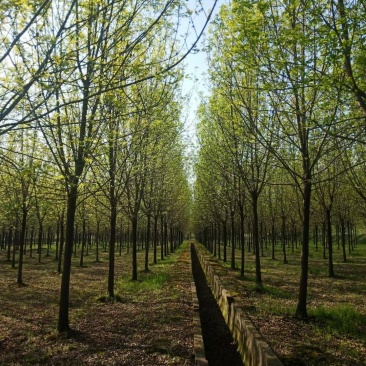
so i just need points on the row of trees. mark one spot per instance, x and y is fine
(90, 103)
(282, 134)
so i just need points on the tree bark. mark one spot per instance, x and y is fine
(330, 243)
(242, 240)
(21, 248)
(63, 319)
(258, 272)
(134, 248)
(148, 230)
(301, 309)
(112, 246)
(232, 239)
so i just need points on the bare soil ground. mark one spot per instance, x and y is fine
(152, 325)
(336, 331)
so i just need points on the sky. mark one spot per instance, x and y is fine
(196, 67)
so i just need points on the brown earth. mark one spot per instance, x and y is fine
(152, 325)
(296, 342)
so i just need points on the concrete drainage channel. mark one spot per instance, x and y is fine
(214, 345)
(199, 349)
(248, 348)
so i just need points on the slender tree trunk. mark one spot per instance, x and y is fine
(62, 241)
(112, 247)
(225, 240)
(316, 237)
(15, 245)
(21, 249)
(83, 242)
(273, 239)
(166, 237)
(10, 242)
(49, 241)
(324, 236)
(162, 237)
(134, 248)
(258, 272)
(349, 237)
(63, 319)
(232, 239)
(57, 240)
(215, 241)
(343, 239)
(97, 241)
(31, 243)
(284, 239)
(242, 240)
(40, 238)
(156, 217)
(171, 238)
(219, 239)
(148, 230)
(330, 243)
(301, 309)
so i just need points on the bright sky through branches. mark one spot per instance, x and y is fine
(196, 66)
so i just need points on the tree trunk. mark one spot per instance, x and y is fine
(242, 240)
(171, 238)
(156, 217)
(148, 229)
(330, 242)
(161, 237)
(63, 319)
(273, 239)
(15, 245)
(134, 248)
(83, 242)
(166, 237)
(10, 242)
(21, 249)
(232, 239)
(62, 241)
(31, 243)
(40, 238)
(343, 239)
(258, 273)
(219, 239)
(324, 236)
(112, 246)
(97, 240)
(57, 239)
(316, 237)
(284, 239)
(225, 239)
(301, 310)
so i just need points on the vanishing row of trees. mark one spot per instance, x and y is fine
(90, 104)
(282, 136)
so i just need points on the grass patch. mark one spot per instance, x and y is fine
(147, 282)
(277, 292)
(341, 320)
(271, 305)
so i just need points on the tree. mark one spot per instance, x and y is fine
(281, 41)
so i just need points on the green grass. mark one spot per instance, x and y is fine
(341, 319)
(271, 305)
(152, 280)
(147, 282)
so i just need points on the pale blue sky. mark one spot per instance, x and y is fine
(196, 65)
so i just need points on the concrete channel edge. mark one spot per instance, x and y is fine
(199, 349)
(252, 347)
